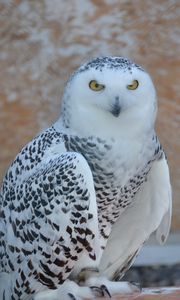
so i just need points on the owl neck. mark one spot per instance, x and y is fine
(130, 125)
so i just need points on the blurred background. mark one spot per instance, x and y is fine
(43, 42)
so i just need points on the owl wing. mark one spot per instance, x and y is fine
(51, 219)
(151, 211)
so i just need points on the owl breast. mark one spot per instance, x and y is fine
(118, 171)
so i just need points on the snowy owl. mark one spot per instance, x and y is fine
(81, 198)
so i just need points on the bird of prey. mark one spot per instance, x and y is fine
(82, 197)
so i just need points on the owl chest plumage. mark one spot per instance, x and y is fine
(118, 172)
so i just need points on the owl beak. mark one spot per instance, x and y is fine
(116, 108)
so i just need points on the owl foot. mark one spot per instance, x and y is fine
(109, 288)
(69, 290)
(94, 287)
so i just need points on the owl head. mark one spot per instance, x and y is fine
(108, 97)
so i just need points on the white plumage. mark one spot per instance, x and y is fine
(79, 200)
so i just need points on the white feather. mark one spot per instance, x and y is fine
(151, 210)
(164, 180)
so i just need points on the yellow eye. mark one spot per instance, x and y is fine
(95, 86)
(133, 86)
